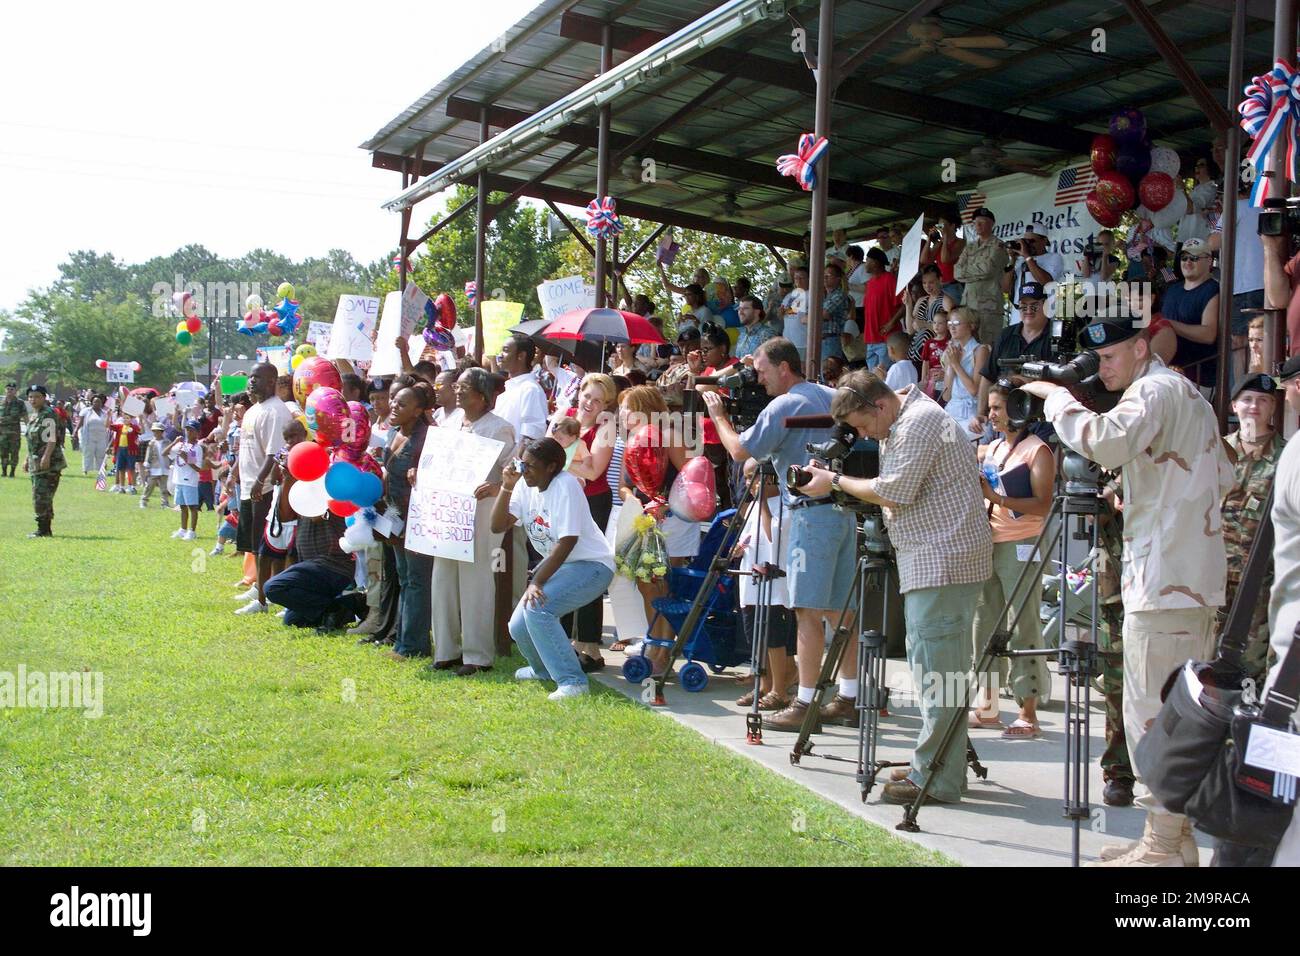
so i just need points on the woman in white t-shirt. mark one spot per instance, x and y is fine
(576, 567)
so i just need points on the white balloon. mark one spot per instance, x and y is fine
(253, 303)
(309, 498)
(1165, 160)
(1167, 217)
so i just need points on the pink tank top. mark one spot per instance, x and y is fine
(1014, 466)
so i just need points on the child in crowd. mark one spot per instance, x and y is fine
(188, 457)
(902, 372)
(568, 433)
(932, 352)
(155, 468)
(125, 445)
(278, 534)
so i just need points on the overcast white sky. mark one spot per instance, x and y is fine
(137, 128)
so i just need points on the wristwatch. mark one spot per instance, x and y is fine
(835, 481)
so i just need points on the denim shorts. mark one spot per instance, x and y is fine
(124, 460)
(823, 557)
(187, 496)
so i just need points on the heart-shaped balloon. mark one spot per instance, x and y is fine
(693, 496)
(646, 460)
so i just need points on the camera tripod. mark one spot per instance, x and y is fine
(1081, 500)
(874, 572)
(765, 576)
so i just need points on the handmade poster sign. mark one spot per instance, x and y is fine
(440, 520)
(909, 257)
(318, 334)
(559, 296)
(133, 405)
(498, 317)
(354, 328)
(120, 372)
(391, 324)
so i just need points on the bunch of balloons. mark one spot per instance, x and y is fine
(279, 320)
(103, 364)
(439, 320)
(185, 305)
(1134, 175)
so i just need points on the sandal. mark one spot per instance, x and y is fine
(1021, 730)
(773, 701)
(975, 722)
(619, 645)
(747, 700)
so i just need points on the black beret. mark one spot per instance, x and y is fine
(1105, 332)
(1256, 383)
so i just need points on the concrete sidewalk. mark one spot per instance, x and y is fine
(1012, 818)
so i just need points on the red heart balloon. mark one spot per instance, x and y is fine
(342, 508)
(647, 460)
(1115, 191)
(1099, 211)
(1156, 190)
(1104, 149)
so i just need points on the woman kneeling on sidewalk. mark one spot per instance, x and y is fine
(576, 567)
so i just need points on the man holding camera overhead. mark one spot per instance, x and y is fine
(929, 490)
(822, 548)
(1165, 437)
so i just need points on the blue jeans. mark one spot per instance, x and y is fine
(878, 354)
(537, 630)
(308, 590)
(415, 608)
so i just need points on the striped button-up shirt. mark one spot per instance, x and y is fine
(938, 523)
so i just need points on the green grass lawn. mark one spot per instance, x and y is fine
(236, 740)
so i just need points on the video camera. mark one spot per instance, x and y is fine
(1279, 217)
(746, 402)
(1078, 374)
(838, 454)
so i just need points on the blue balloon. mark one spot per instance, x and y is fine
(341, 481)
(368, 491)
(288, 312)
(350, 520)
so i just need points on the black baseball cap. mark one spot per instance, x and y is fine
(1290, 368)
(1106, 332)
(11, 385)
(1032, 290)
(984, 211)
(38, 388)
(1261, 383)
(690, 332)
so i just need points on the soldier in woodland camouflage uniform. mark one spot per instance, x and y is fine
(1258, 448)
(1116, 768)
(12, 413)
(45, 462)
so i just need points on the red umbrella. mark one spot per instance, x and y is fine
(611, 326)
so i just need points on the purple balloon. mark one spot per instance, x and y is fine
(1128, 126)
(1134, 162)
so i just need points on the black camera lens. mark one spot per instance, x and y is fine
(796, 477)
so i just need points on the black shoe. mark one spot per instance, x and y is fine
(447, 665)
(468, 670)
(1118, 793)
(590, 664)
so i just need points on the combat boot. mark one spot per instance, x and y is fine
(1166, 841)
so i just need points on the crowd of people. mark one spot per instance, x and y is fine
(923, 370)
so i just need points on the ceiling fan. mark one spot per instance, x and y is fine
(729, 206)
(989, 159)
(930, 39)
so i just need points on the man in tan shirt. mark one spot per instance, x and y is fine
(1165, 437)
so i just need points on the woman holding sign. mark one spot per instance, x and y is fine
(577, 564)
(463, 591)
(414, 570)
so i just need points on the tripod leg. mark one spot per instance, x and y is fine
(830, 667)
(762, 612)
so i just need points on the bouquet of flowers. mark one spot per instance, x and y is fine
(644, 557)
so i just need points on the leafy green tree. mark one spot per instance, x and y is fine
(62, 335)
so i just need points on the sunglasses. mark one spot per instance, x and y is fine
(1186, 258)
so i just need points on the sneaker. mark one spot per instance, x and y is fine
(249, 595)
(567, 690)
(281, 612)
(191, 535)
(252, 607)
(217, 549)
(526, 673)
(144, 503)
(179, 532)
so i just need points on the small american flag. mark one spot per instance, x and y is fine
(1073, 183)
(397, 261)
(101, 479)
(967, 203)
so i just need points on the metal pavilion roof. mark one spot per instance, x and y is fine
(893, 123)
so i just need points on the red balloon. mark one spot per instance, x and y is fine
(1104, 149)
(343, 508)
(308, 461)
(1156, 190)
(193, 324)
(1100, 211)
(102, 363)
(1115, 191)
(646, 460)
(446, 308)
(273, 328)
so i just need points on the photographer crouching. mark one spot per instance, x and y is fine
(929, 489)
(1164, 435)
(821, 559)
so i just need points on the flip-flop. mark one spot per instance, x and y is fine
(1021, 730)
(619, 645)
(975, 722)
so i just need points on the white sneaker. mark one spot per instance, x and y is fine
(281, 612)
(252, 607)
(216, 550)
(143, 503)
(249, 595)
(526, 673)
(567, 690)
(179, 532)
(190, 535)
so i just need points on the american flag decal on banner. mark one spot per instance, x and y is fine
(1073, 183)
(967, 203)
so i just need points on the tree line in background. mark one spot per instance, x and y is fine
(104, 308)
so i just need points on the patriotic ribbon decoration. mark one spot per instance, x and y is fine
(1271, 109)
(803, 164)
(602, 221)
(471, 292)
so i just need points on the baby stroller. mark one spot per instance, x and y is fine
(717, 639)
